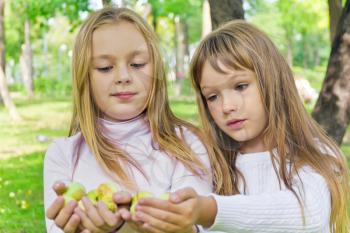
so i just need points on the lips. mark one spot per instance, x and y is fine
(235, 123)
(124, 95)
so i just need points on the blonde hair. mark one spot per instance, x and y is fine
(162, 121)
(290, 129)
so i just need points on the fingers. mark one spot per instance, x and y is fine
(122, 197)
(64, 214)
(59, 187)
(159, 204)
(164, 216)
(157, 224)
(125, 214)
(55, 208)
(85, 221)
(92, 213)
(111, 219)
(72, 224)
(183, 195)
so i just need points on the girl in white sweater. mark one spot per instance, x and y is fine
(287, 175)
(122, 130)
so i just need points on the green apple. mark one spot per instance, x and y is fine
(104, 193)
(92, 195)
(136, 198)
(165, 196)
(75, 191)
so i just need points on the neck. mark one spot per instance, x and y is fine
(253, 147)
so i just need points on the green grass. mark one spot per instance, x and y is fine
(21, 158)
(21, 195)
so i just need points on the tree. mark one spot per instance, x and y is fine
(29, 16)
(3, 83)
(222, 11)
(332, 110)
(335, 9)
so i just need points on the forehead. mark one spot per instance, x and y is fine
(219, 73)
(120, 39)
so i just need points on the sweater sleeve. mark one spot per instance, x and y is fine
(183, 177)
(278, 211)
(56, 168)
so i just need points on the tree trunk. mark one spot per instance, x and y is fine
(180, 47)
(206, 22)
(335, 9)
(222, 11)
(332, 110)
(26, 61)
(3, 83)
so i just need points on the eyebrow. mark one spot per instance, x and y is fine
(240, 74)
(109, 57)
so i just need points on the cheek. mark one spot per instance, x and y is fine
(214, 111)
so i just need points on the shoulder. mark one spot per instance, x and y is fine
(62, 148)
(193, 138)
(189, 135)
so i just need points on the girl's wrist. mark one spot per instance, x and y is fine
(208, 211)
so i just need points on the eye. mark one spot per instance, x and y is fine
(104, 69)
(241, 86)
(137, 65)
(211, 98)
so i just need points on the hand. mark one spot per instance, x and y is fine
(63, 216)
(124, 197)
(98, 218)
(179, 214)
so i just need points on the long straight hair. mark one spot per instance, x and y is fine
(163, 123)
(298, 139)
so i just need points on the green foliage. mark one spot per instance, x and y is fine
(299, 25)
(53, 87)
(189, 11)
(38, 13)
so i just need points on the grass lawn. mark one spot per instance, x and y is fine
(21, 157)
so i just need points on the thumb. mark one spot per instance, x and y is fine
(183, 195)
(59, 187)
(122, 197)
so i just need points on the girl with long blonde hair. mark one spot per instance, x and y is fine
(122, 130)
(286, 174)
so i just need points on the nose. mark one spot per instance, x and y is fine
(230, 103)
(123, 76)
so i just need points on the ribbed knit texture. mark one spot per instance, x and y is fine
(268, 208)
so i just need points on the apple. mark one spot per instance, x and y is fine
(75, 191)
(104, 193)
(165, 196)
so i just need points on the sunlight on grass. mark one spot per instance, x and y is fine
(46, 118)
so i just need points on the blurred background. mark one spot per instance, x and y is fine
(36, 39)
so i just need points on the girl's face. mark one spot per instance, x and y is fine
(121, 71)
(235, 104)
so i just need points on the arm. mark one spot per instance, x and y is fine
(277, 211)
(56, 168)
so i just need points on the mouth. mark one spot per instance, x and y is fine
(124, 95)
(236, 123)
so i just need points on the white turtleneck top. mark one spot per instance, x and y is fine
(164, 173)
(267, 207)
